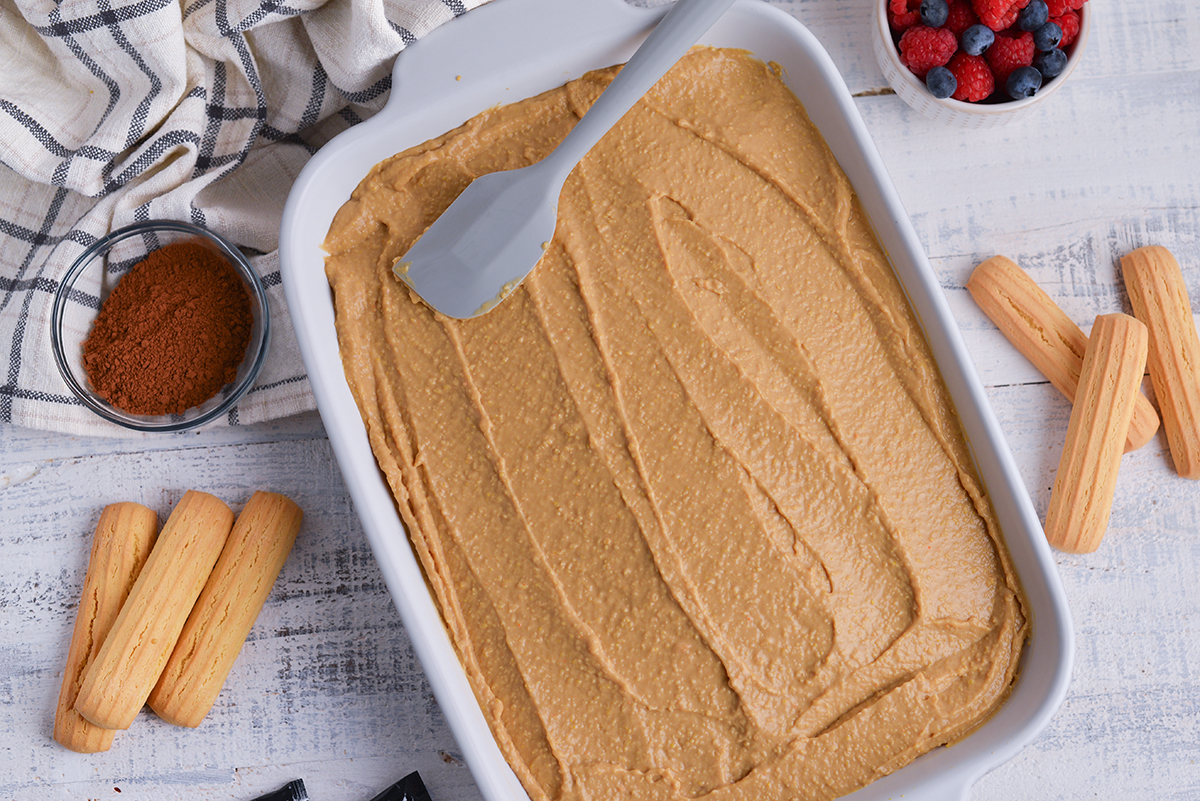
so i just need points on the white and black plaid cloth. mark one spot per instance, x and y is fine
(202, 110)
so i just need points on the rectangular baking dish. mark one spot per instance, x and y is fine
(509, 50)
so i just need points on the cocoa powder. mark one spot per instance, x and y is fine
(171, 333)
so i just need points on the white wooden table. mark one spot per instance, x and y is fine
(327, 688)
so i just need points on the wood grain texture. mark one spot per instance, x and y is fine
(327, 687)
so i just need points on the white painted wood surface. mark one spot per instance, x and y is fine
(327, 688)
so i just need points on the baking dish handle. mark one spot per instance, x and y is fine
(427, 72)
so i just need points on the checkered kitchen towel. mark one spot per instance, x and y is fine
(202, 110)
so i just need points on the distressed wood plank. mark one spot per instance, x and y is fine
(326, 688)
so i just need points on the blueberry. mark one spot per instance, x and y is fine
(1034, 15)
(976, 39)
(1024, 82)
(934, 13)
(1047, 37)
(941, 82)
(1050, 63)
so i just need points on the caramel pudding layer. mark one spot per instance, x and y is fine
(693, 502)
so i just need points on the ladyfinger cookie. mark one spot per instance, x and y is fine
(1160, 300)
(121, 544)
(1081, 499)
(1044, 334)
(235, 593)
(117, 683)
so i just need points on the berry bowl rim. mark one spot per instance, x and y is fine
(912, 90)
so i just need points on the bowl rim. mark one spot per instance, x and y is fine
(159, 423)
(884, 30)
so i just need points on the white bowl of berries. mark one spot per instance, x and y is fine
(978, 63)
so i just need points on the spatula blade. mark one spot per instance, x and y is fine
(484, 245)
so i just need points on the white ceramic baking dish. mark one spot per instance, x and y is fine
(512, 49)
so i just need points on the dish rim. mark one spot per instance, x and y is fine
(437, 77)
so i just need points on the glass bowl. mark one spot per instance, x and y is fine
(90, 280)
(959, 114)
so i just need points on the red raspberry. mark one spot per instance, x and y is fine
(902, 22)
(1060, 7)
(897, 6)
(975, 79)
(998, 14)
(962, 16)
(1069, 22)
(922, 48)
(1009, 52)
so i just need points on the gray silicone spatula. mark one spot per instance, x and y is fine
(489, 239)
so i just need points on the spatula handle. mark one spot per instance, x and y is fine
(683, 25)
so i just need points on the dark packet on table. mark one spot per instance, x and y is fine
(292, 791)
(410, 788)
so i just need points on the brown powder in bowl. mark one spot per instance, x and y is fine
(172, 332)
